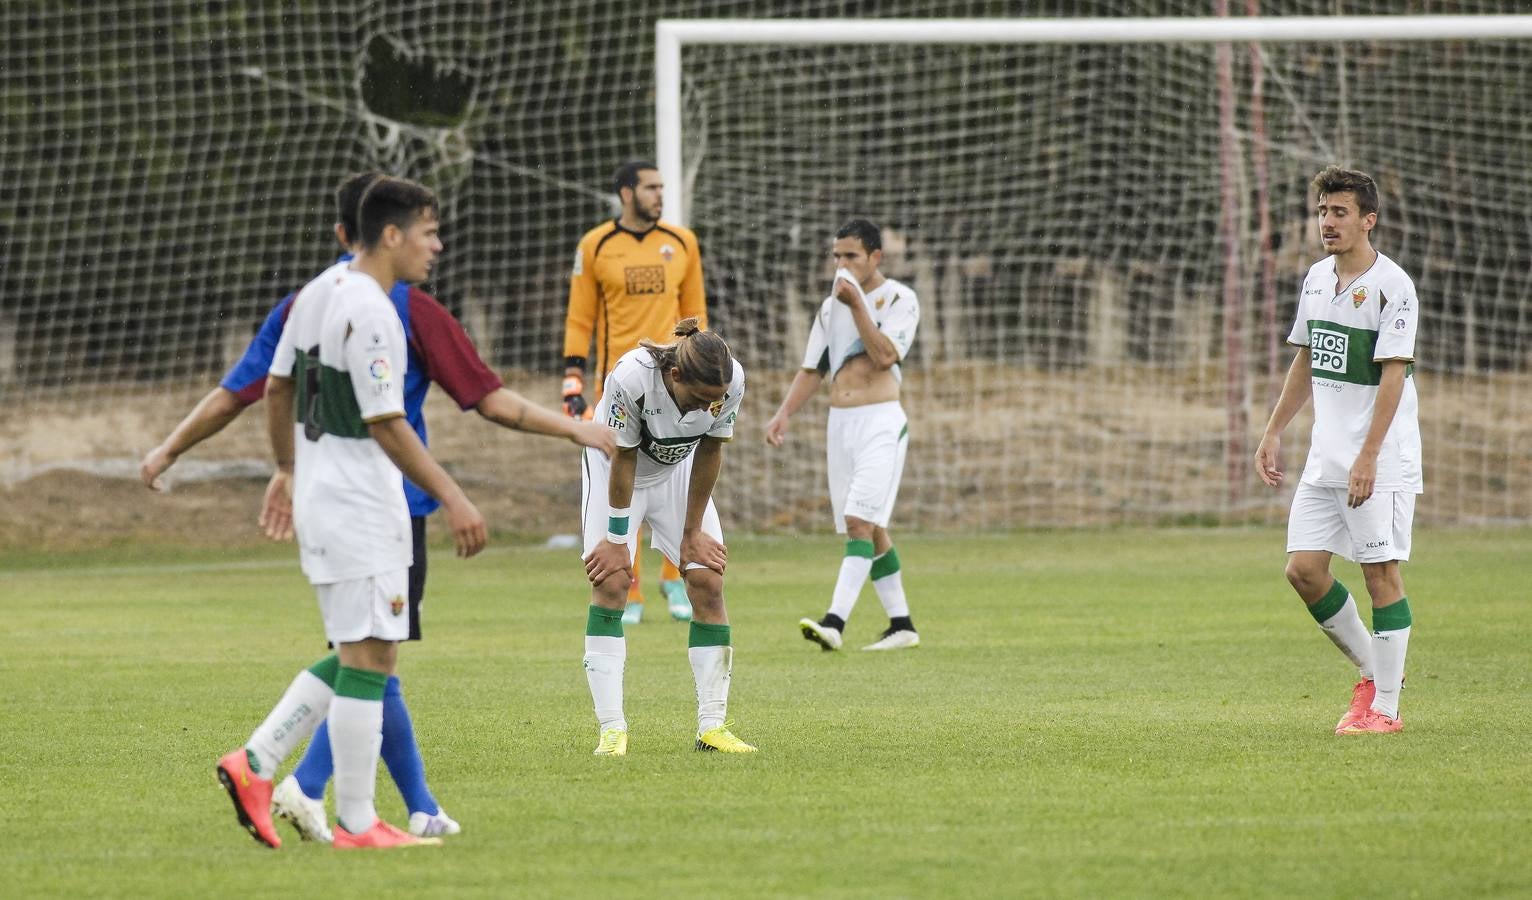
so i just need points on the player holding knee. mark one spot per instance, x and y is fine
(673, 407)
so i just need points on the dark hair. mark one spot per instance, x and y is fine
(702, 356)
(348, 202)
(626, 175)
(1334, 180)
(864, 231)
(392, 201)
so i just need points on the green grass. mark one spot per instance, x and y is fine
(1099, 713)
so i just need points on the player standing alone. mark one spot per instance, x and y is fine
(1356, 327)
(673, 407)
(634, 277)
(336, 392)
(861, 333)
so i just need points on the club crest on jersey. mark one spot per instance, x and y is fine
(1358, 296)
(396, 605)
(715, 408)
(667, 252)
(379, 369)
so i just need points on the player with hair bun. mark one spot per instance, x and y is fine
(673, 407)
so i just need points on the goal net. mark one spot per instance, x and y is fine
(1107, 223)
(1106, 236)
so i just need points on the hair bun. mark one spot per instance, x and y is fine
(687, 327)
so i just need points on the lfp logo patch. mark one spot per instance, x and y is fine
(379, 369)
(1358, 296)
(617, 417)
(1328, 350)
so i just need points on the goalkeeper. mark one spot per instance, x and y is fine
(859, 335)
(634, 277)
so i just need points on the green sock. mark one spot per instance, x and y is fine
(603, 622)
(1330, 604)
(704, 635)
(1392, 617)
(327, 669)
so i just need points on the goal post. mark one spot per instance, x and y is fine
(748, 109)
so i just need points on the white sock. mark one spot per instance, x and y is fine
(605, 659)
(1388, 648)
(290, 723)
(1345, 628)
(853, 574)
(356, 734)
(711, 667)
(890, 590)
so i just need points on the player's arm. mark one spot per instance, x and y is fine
(697, 546)
(693, 298)
(880, 349)
(211, 415)
(805, 383)
(454, 364)
(509, 409)
(1364, 471)
(1296, 390)
(579, 325)
(276, 518)
(403, 447)
(612, 555)
(242, 386)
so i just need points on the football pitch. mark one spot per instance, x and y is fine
(1094, 713)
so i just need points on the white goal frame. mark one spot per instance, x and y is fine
(672, 35)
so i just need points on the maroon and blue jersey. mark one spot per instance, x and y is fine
(439, 351)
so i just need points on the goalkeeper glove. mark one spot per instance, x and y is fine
(574, 400)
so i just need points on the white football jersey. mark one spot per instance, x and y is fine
(1348, 335)
(833, 338)
(637, 404)
(344, 348)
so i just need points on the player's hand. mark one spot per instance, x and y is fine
(1364, 473)
(468, 529)
(697, 547)
(606, 560)
(154, 465)
(846, 292)
(276, 519)
(574, 396)
(1266, 464)
(776, 431)
(597, 436)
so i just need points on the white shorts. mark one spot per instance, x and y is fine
(1376, 531)
(662, 505)
(865, 447)
(375, 607)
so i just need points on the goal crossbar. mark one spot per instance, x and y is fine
(671, 35)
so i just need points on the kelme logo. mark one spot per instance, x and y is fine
(1327, 350)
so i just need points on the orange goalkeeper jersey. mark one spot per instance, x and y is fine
(627, 286)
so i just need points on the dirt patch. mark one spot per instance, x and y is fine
(991, 449)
